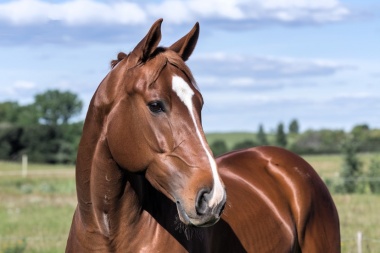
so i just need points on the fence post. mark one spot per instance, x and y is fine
(24, 166)
(359, 240)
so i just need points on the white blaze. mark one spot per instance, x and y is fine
(185, 93)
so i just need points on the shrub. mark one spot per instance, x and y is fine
(352, 168)
(319, 142)
(374, 176)
(218, 147)
(244, 144)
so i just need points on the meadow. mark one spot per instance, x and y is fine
(36, 211)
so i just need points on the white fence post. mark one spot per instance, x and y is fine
(24, 166)
(359, 240)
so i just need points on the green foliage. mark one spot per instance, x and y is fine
(352, 168)
(10, 143)
(218, 147)
(51, 144)
(244, 144)
(319, 142)
(42, 129)
(360, 134)
(374, 176)
(261, 136)
(56, 107)
(294, 127)
(230, 138)
(281, 136)
(8, 111)
(14, 114)
(27, 115)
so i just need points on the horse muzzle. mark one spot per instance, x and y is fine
(206, 211)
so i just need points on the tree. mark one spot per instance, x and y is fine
(294, 127)
(55, 107)
(10, 143)
(218, 147)
(352, 167)
(322, 141)
(261, 136)
(8, 112)
(27, 115)
(42, 129)
(281, 136)
(12, 112)
(361, 134)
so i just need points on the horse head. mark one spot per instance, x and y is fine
(152, 125)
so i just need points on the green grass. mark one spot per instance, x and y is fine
(16, 166)
(359, 213)
(38, 209)
(329, 166)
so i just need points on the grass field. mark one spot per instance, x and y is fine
(36, 211)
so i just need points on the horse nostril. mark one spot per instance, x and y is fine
(201, 203)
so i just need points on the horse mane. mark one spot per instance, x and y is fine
(120, 57)
(171, 57)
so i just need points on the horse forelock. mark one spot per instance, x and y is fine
(175, 60)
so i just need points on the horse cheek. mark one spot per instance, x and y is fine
(128, 153)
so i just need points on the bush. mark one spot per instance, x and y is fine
(374, 176)
(244, 144)
(352, 168)
(10, 144)
(52, 144)
(319, 142)
(218, 147)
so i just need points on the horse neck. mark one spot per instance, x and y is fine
(105, 193)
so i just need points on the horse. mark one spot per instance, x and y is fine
(147, 180)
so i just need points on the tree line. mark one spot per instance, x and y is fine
(47, 131)
(322, 141)
(353, 178)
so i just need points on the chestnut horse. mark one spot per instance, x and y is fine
(147, 181)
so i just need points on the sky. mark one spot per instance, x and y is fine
(256, 62)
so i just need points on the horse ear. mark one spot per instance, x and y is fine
(185, 46)
(149, 43)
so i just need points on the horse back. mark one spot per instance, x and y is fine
(276, 202)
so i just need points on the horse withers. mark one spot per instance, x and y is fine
(147, 181)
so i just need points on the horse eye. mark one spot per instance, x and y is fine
(156, 107)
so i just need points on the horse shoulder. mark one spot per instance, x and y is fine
(276, 193)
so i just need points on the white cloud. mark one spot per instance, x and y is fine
(89, 12)
(298, 10)
(262, 67)
(19, 90)
(24, 85)
(77, 12)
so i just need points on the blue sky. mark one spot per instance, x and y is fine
(256, 62)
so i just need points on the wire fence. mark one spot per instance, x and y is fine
(363, 243)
